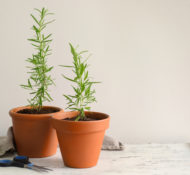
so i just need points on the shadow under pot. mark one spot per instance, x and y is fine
(33, 133)
(80, 141)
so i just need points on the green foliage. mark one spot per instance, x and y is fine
(39, 79)
(84, 95)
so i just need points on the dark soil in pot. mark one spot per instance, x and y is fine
(35, 111)
(85, 119)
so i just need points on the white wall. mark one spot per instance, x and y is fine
(140, 53)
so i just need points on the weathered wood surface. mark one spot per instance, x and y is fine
(147, 159)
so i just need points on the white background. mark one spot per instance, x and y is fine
(140, 53)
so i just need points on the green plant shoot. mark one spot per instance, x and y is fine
(39, 79)
(84, 94)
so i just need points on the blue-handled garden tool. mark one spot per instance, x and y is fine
(23, 162)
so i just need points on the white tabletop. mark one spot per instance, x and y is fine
(146, 159)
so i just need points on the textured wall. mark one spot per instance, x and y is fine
(140, 53)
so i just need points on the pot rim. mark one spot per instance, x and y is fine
(13, 112)
(80, 127)
(58, 117)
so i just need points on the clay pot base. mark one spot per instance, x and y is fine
(42, 111)
(80, 141)
(33, 133)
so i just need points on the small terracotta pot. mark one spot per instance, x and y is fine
(33, 133)
(80, 142)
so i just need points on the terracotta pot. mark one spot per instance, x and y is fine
(80, 142)
(33, 133)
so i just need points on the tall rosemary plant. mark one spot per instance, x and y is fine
(39, 78)
(84, 94)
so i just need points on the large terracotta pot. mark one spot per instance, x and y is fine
(33, 133)
(80, 142)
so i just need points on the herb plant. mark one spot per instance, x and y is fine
(39, 79)
(84, 94)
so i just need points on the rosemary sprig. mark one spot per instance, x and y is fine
(84, 94)
(39, 79)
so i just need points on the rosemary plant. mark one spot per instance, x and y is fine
(84, 95)
(39, 79)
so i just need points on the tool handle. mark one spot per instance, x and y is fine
(22, 159)
(17, 164)
(7, 163)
